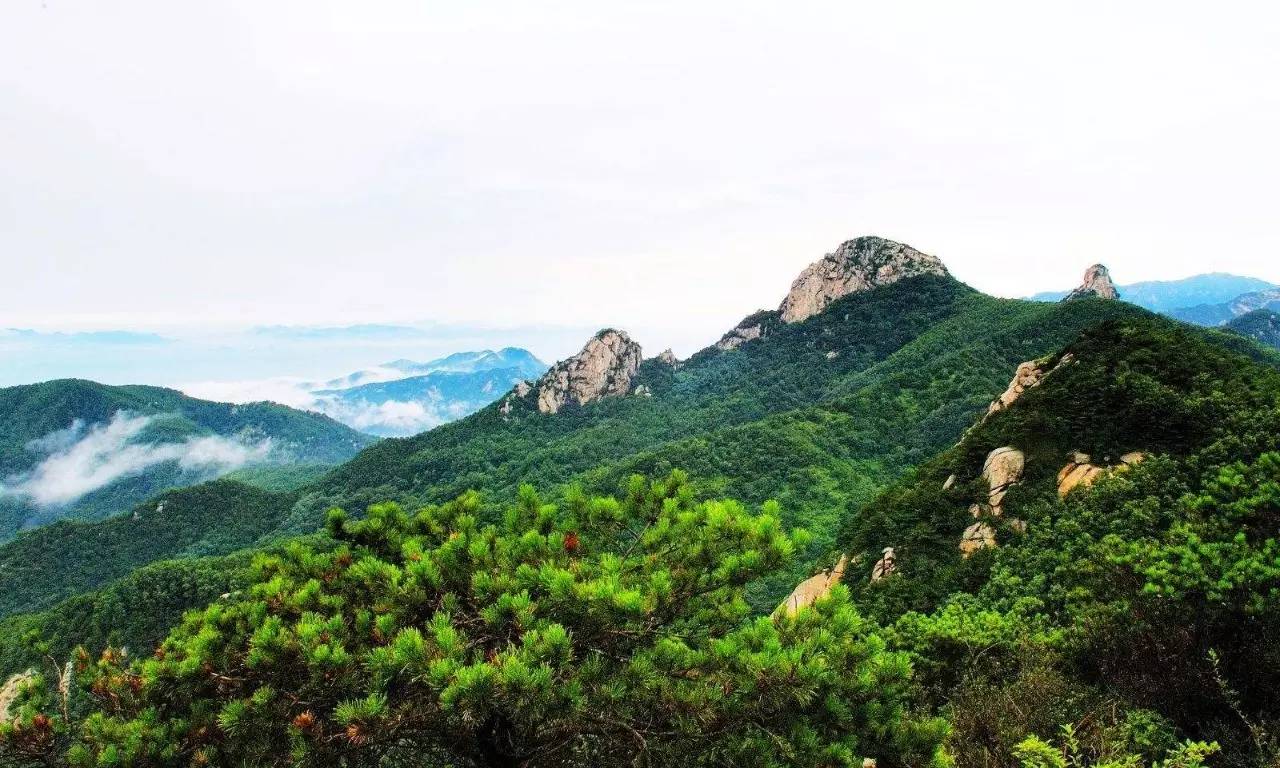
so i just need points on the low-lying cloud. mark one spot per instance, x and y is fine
(79, 460)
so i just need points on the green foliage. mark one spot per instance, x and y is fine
(1154, 590)
(31, 412)
(64, 559)
(598, 631)
(1035, 753)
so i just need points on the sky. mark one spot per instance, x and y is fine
(524, 173)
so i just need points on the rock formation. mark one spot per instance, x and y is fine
(1096, 284)
(747, 330)
(814, 588)
(1028, 376)
(857, 265)
(978, 536)
(1002, 470)
(11, 689)
(1080, 471)
(669, 358)
(604, 367)
(521, 390)
(887, 564)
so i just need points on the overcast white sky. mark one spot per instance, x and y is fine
(663, 167)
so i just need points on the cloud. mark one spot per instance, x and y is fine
(80, 461)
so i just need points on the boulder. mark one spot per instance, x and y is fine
(814, 588)
(1081, 472)
(887, 564)
(978, 536)
(1002, 470)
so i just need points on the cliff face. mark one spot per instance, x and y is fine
(1096, 284)
(857, 265)
(604, 367)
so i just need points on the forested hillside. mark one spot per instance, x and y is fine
(1119, 575)
(1090, 546)
(82, 450)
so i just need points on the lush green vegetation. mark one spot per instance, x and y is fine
(1261, 325)
(63, 559)
(1140, 613)
(1146, 607)
(34, 412)
(598, 632)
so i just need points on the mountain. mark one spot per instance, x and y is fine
(403, 397)
(1218, 314)
(1100, 544)
(1261, 325)
(1092, 542)
(819, 413)
(1165, 296)
(77, 449)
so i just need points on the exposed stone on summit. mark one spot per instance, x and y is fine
(604, 367)
(857, 265)
(669, 358)
(814, 588)
(1096, 284)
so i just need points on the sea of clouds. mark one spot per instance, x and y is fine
(81, 458)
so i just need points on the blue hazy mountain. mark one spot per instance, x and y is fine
(404, 397)
(1167, 296)
(1224, 312)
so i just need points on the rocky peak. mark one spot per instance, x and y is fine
(1096, 284)
(668, 358)
(857, 265)
(604, 367)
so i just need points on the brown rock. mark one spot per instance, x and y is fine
(978, 536)
(887, 564)
(1002, 470)
(857, 265)
(1096, 285)
(603, 368)
(814, 588)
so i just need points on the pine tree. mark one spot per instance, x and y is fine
(600, 631)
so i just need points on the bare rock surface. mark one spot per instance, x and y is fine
(1002, 470)
(857, 265)
(814, 588)
(976, 537)
(1096, 284)
(886, 565)
(605, 367)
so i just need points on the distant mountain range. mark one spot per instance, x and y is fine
(1168, 296)
(404, 397)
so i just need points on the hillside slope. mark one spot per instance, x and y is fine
(1261, 325)
(1101, 549)
(82, 450)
